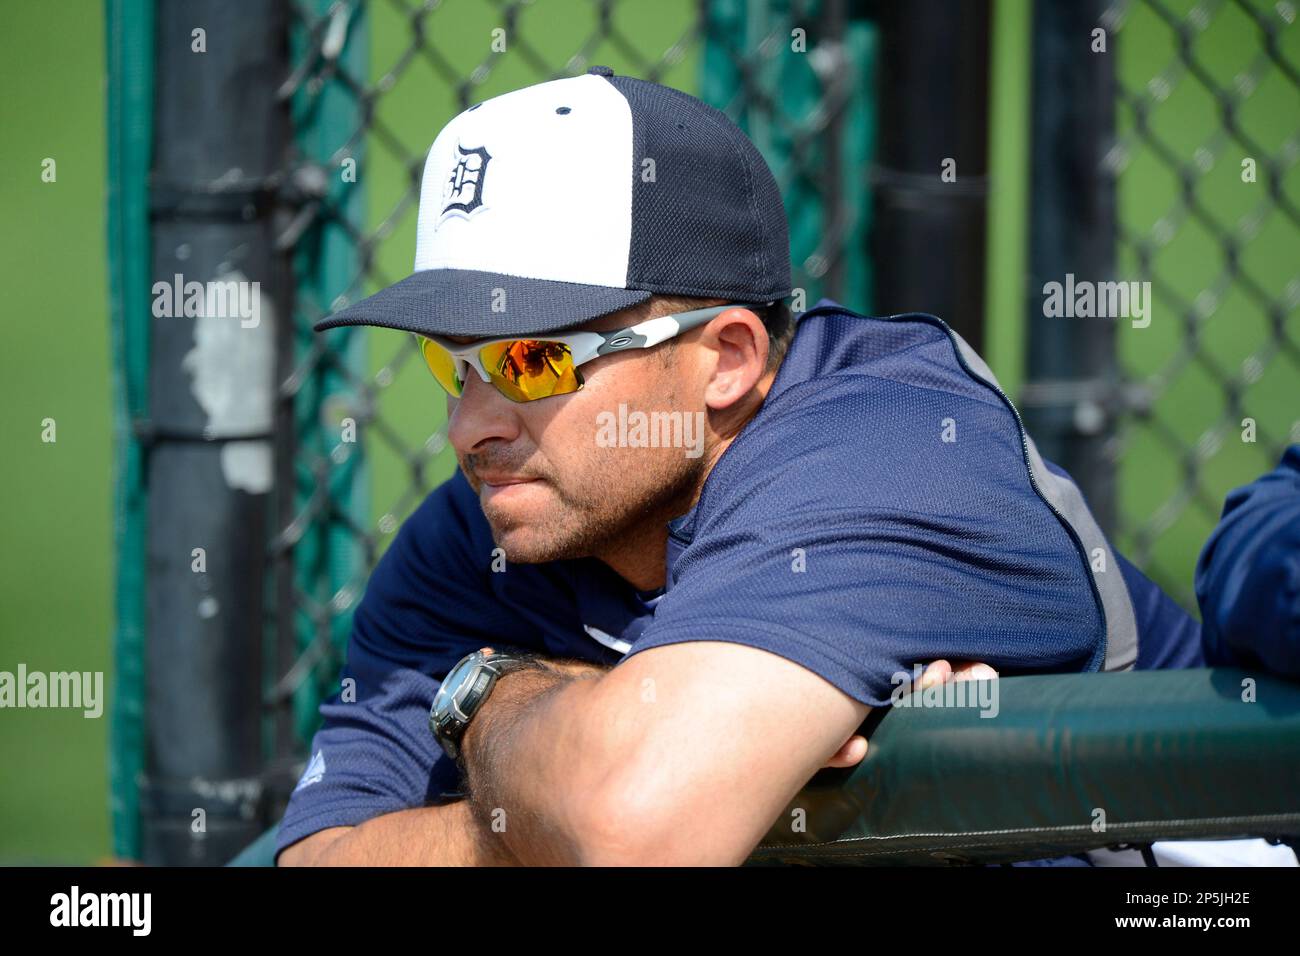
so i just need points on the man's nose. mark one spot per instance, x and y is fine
(480, 415)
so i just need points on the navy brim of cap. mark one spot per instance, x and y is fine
(461, 301)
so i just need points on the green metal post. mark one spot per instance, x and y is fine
(130, 125)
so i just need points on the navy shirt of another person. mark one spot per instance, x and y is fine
(1248, 575)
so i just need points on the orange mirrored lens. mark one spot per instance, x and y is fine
(442, 365)
(525, 369)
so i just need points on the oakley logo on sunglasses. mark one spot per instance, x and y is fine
(464, 188)
(622, 340)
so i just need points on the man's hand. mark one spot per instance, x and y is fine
(939, 672)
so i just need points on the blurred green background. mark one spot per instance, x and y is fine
(55, 613)
(55, 565)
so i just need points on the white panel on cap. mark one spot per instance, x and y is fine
(556, 197)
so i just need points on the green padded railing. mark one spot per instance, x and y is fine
(1070, 762)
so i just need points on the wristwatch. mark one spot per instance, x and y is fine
(465, 688)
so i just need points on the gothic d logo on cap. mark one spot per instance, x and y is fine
(463, 192)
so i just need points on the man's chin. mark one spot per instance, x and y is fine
(528, 544)
(523, 519)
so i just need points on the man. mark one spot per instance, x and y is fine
(681, 622)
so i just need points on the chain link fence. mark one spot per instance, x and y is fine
(1208, 198)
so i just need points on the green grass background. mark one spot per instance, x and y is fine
(55, 596)
(56, 559)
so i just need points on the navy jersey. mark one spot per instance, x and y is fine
(882, 509)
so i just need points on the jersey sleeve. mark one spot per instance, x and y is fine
(426, 605)
(871, 533)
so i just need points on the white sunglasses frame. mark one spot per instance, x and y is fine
(584, 346)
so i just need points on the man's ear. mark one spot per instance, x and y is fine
(740, 344)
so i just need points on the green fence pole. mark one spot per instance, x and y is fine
(130, 28)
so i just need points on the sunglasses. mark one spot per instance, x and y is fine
(526, 369)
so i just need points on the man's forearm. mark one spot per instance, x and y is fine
(454, 834)
(446, 835)
(521, 755)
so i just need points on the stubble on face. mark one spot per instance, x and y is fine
(586, 500)
(605, 501)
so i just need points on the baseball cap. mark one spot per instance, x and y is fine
(555, 204)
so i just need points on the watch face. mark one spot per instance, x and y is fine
(447, 692)
(441, 698)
